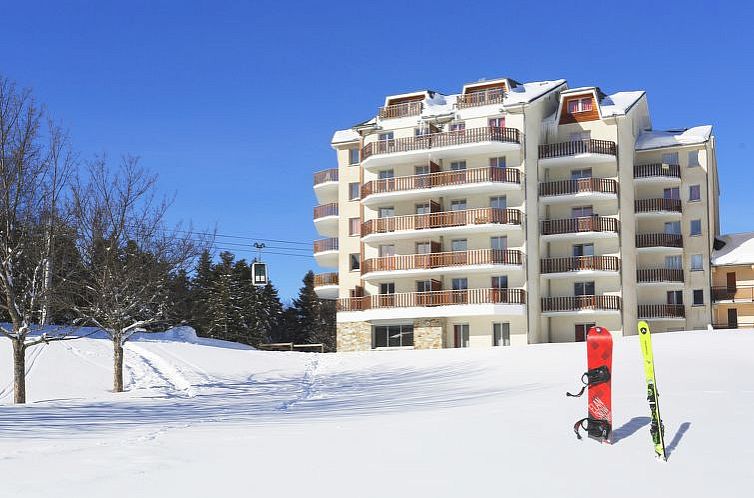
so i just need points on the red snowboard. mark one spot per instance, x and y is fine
(599, 353)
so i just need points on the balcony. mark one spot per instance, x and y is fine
(659, 242)
(738, 294)
(326, 285)
(659, 276)
(477, 180)
(480, 98)
(489, 140)
(326, 252)
(479, 220)
(662, 311)
(402, 110)
(578, 151)
(586, 227)
(479, 260)
(326, 219)
(579, 266)
(582, 189)
(580, 305)
(326, 185)
(657, 173)
(658, 207)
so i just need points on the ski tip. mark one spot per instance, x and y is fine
(643, 327)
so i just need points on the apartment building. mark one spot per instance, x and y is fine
(733, 281)
(515, 213)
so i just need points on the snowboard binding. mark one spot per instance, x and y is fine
(592, 378)
(595, 428)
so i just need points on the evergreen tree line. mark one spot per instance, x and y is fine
(220, 301)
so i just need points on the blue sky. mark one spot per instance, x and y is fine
(234, 103)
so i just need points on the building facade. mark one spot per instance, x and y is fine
(515, 213)
(733, 282)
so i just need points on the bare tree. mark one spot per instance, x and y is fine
(128, 253)
(35, 163)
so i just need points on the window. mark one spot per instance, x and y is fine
(693, 158)
(583, 250)
(395, 336)
(671, 193)
(675, 297)
(387, 288)
(386, 250)
(581, 329)
(423, 208)
(386, 212)
(388, 135)
(583, 289)
(423, 247)
(353, 156)
(499, 243)
(698, 297)
(460, 284)
(353, 191)
(385, 174)
(457, 126)
(580, 105)
(422, 169)
(458, 165)
(499, 282)
(497, 122)
(497, 162)
(670, 158)
(354, 262)
(578, 136)
(423, 286)
(673, 227)
(422, 131)
(354, 227)
(458, 205)
(581, 211)
(501, 334)
(695, 193)
(581, 173)
(697, 262)
(458, 245)
(461, 335)
(498, 202)
(696, 227)
(674, 262)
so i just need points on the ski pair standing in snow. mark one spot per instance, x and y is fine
(599, 421)
(656, 428)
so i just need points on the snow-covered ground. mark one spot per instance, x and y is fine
(208, 418)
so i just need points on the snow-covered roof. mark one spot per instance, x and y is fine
(342, 136)
(689, 136)
(738, 250)
(619, 103)
(527, 92)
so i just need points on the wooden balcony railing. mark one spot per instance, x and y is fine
(442, 219)
(576, 147)
(657, 170)
(442, 260)
(441, 179)
(661, 311)
(434, 140)
(433, 298)
(326, 210)
(323, 245)
(579, 263)
(401, 110)
(483, 97)
(742, 294)
(576, 225)
(657, 205)
(327, 175)
(321, 279)
(577, 303)
(582, 185)
(649, 275)
(659, 240)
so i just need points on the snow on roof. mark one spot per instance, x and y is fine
(619, 103)
(348, 135)
(438, 104)
(526, 92)
(688, 136)
(738, 250)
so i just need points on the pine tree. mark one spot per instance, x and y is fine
(271, 313)
(307, 312)
(181, 301)
(224, 309)
(201, 286)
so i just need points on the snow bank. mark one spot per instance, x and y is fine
(738, 250)
(657, 139)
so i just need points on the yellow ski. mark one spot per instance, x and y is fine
(656, 428)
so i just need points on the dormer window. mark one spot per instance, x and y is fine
(580, 105)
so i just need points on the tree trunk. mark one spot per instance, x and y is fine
(19, 372)
(118, 364)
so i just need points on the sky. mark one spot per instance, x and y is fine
(233, 104)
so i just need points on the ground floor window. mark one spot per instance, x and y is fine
(392, 336)
(581, 330)
(461, 335)
(501, 334)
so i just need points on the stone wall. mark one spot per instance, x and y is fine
(428, 333)
(354, 336)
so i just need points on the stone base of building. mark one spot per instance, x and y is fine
(429, 333)
(353, 336)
